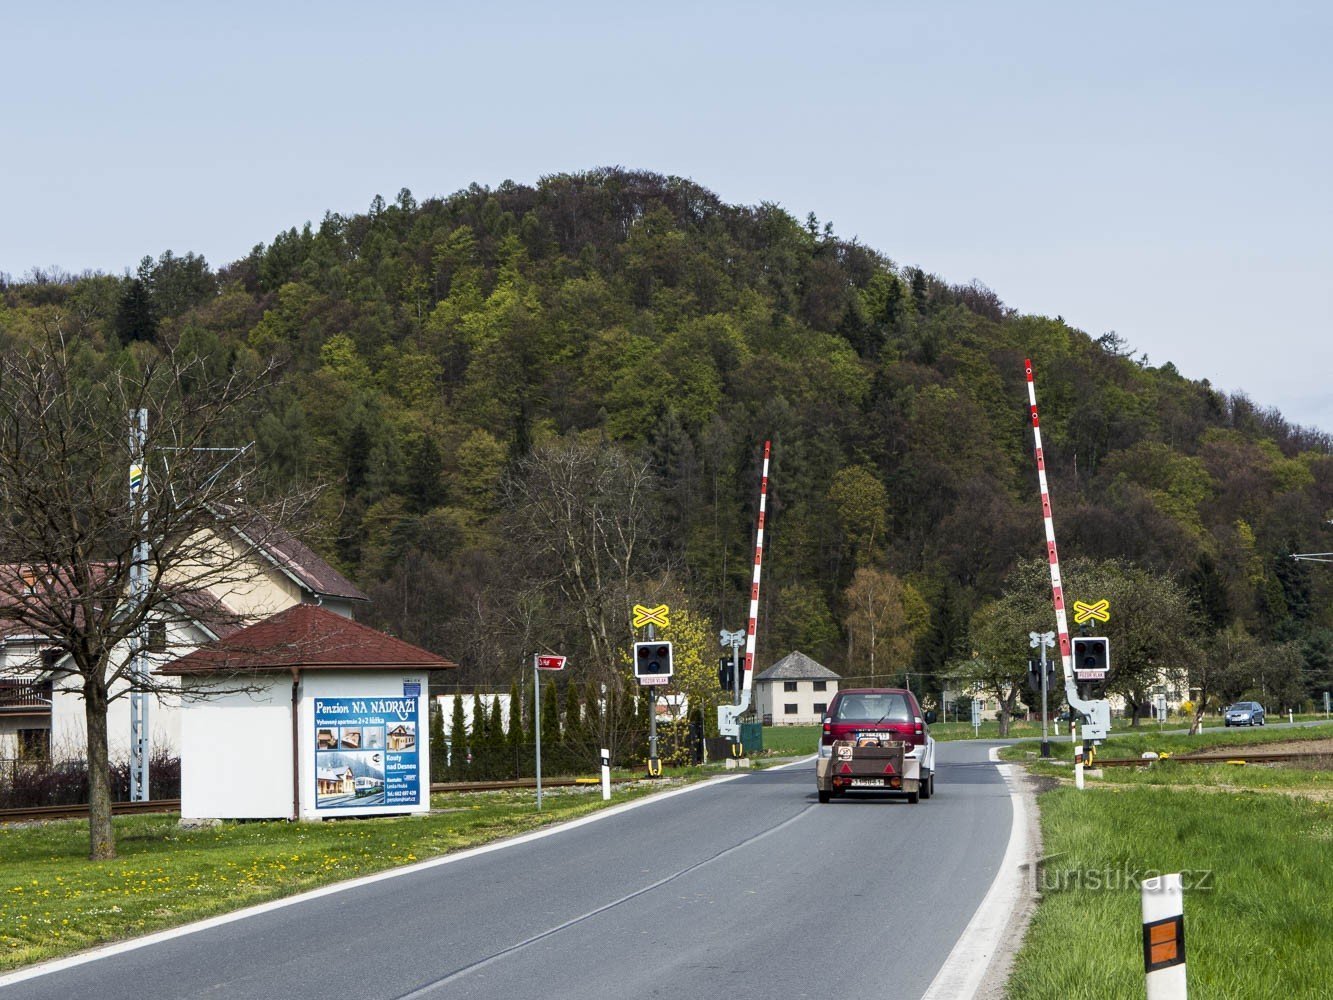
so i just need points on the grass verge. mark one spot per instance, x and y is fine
(1256, 903)
(54, 901)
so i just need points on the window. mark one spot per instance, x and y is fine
(888, 707)
(789, 685)
(34, 744)
(50, 657)
(821, 685)
(789, 709)
(820, 708)
(157, 637)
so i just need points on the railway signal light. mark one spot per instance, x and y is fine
(652, 659)
(1092, 665)
(726, 674)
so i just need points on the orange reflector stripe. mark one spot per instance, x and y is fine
(1160, 953)
(1163, 944)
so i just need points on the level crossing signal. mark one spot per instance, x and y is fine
(726, 673)
(652, 659)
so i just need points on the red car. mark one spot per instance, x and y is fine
(866, 715)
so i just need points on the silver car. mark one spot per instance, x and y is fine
(1244, 713)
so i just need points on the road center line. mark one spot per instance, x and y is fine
(435, 984)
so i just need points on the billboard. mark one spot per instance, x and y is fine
(367, 752)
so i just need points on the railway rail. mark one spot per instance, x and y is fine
(37, 813)
(1255, 757)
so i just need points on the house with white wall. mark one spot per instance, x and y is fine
(795, 691)
(42, 712)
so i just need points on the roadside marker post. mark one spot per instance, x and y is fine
(540, 662)
(606, 775)
(1164, 937)
(1078, 766)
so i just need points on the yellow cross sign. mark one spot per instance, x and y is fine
(651, 616)
(1101, 612)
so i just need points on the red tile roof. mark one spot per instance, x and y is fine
(307, 636)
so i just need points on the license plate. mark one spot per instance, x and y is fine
(867, 782)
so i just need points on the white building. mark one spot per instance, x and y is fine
(795, 691)
(306, 715)
(42, 711)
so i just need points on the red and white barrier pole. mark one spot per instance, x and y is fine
(1164, 937)
(751, 626)
(606, 775)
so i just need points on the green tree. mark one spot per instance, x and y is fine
(458, 742)
(885, 618)
(517, 750)
(861, 502)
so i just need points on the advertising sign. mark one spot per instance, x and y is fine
(366, 752)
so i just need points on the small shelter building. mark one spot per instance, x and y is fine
(305, 715)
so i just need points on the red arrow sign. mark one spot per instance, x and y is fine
(549, 661)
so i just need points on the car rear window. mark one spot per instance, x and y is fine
(889, 707)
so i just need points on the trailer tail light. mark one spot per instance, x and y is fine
(895, 782)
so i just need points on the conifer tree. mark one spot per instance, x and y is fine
(458, 741)
(478, 744)
(515, 737)
(439, 751)
(496, 758)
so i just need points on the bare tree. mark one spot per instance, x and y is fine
(582, 508)
(71, 526)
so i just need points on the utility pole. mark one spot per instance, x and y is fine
(139, 733)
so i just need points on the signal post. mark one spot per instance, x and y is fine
(652, 667)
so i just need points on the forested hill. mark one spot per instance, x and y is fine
(457, 363)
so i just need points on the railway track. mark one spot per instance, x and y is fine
(1256, 757)
(36, 813)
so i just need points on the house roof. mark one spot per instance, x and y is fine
(305, 636)
(298, 560)
(796, 666)
(333, 773)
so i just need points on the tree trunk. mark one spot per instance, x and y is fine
(1197, 725)
(101, 835)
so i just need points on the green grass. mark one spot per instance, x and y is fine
(1256, 913)
(54, 901)
(790, 741)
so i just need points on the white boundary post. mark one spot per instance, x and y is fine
(1164, 937)
(606, 775)
(1078, 766)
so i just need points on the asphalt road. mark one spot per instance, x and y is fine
(744, 889)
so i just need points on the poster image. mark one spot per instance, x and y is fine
(366, 753)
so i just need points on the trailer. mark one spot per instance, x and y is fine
(869, 763)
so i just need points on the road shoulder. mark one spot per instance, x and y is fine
(979, 964)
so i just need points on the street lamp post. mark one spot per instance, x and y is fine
(1042, 641)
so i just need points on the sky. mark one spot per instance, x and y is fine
(1164, 171)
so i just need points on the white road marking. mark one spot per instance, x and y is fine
(120, 948)
(961, 975)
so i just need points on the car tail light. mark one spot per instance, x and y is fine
(920, 727)
(828, 733)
